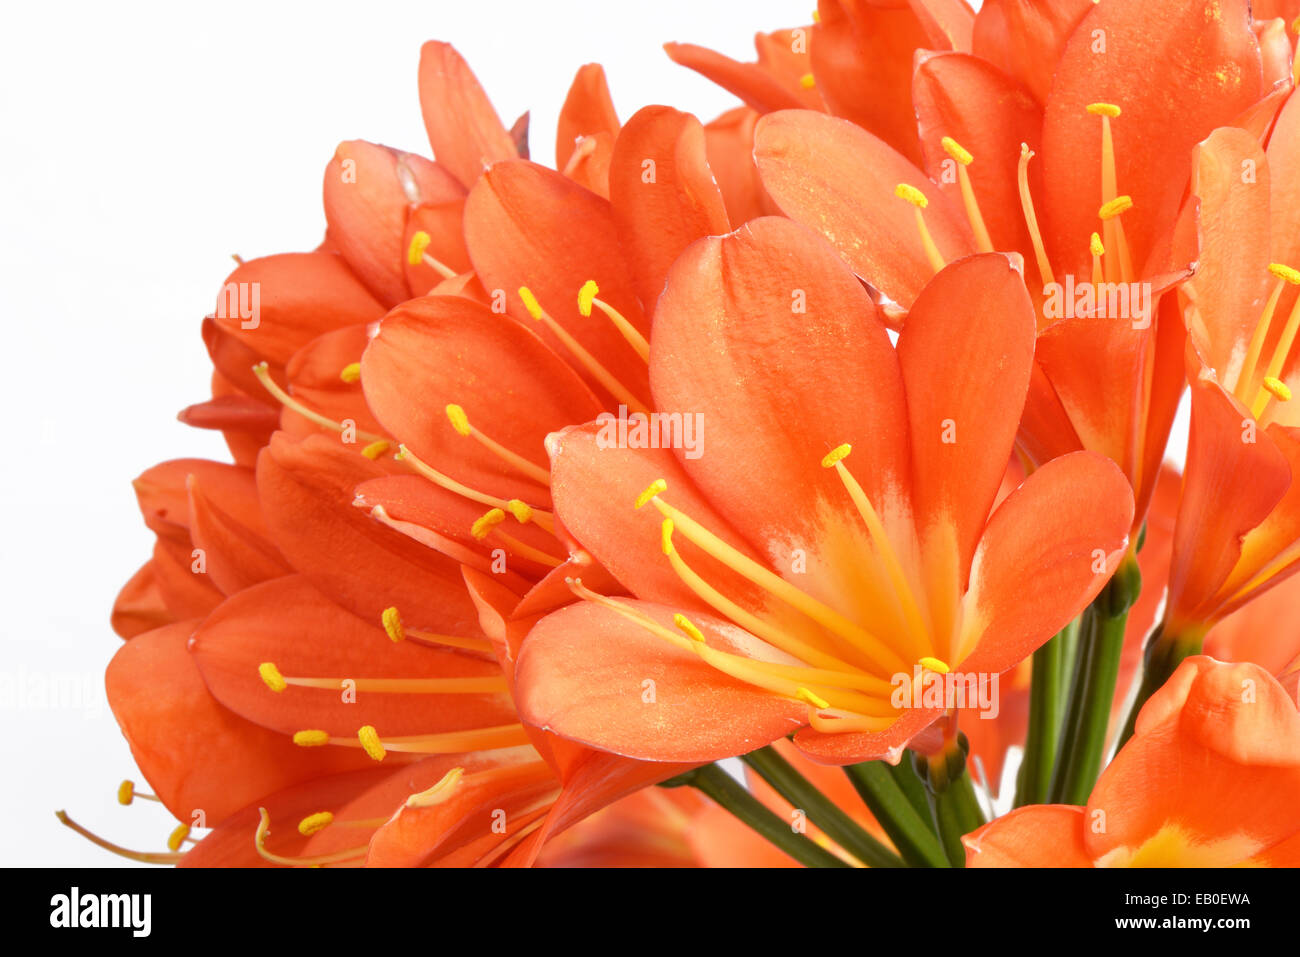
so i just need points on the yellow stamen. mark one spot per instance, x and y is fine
(419, 243)
(1116, 206)
(656, 487)
(259, 842)
(1280, 354)
(271, 676)
(522, 512)
(880, 654)
(1095, 246)
(542, 518)
(1284, 274)
(1109, 110)
(313, 823)
(666, 537)
(835, 455)
(523, 549)
(934, 664)
(625, 328)
(585, 358)
(177, 837)
(688, 627)
(483, 524)
(145, 857)
(1277, 388)
(1098, 250)
(351, 372)
(439, 792)
(806, 696)
(586, 295)
(807, 81)
(311, 739)
(917, 198)
(460, 422)
(983, 241)
(1031, 219)
(956, 151)
(376, 449)
(392, 622)
(912, 195)
(126, 793)
(370, 742)
(483, 684)
(262, 371)
(1280, 271)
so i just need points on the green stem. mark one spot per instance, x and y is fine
(837, 825)
(1046, 707)
(956, 813)
(913, 787)
(1164, 653)
(894, 811)
(730, 794)
(1087, 714)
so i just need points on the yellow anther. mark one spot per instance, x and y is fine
(315, 822)
(376, 449)
(1103, 109)
(817, 17)
(957, 151)
(912, 195)
(126, 792)
(459, 420)
(657, 487)
(1120, 204)
(530, 302)
(1295, 25)
(1095, 246)
(177, 837)
(586, 295)
(522, 511)
(666, 537)
(392, 622)
(370, 742)
(440, 792)
(311, 739)
(837, 454)
(1280, 271)
(807, 697)
(419, 243)
(934, 664)
(1277, 388)
(486, 522)
(351, 372)
(271, 676)
(687, 627)
(807, 81)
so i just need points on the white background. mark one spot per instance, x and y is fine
(139, 150)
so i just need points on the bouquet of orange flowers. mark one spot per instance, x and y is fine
(828, 435)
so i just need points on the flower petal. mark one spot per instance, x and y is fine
(1040, 835)
(464, 130)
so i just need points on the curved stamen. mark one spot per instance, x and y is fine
(912, 195)
(517, 508)
(963, 158)
(587, 299)
(262, 371)
(460, 422)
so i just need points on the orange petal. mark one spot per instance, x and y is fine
(761, 89)
(1026, 39)
(588, 109)
(464, 130)
(1040, 835)
(236, 557)
(663, 193)
(729, 141)
(839, 180)
(140, 606)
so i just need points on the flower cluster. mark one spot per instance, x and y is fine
(829, 434)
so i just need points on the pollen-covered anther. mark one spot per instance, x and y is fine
(530, 302)
(666, 537)
(522, 511)
(1277, 388)
(1116, 206)
(419, 243)
(688, 628)
(370, 742)
(392, 622)
(807, 81)
(126, 793)
(586, 296)
(957, 151)
(314, 823)
(934, 664)
(311, 738)
(376, 449)
(177, 837)
(807, 697)
(486, 522)
(351, 372)
(1095, 247)
(655, 489)
(837, 454)
(271, 676)
(459, 420)
(912, 195)
(1285, 273)
(1109, 110)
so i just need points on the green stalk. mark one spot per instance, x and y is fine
(717, 784)
(1087, 713)
(800, 792)
(1046, 708)
(894, 811)
(913, 787)
(956, 813)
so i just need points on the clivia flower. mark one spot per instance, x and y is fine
(781, 579)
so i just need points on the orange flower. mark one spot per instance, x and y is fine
(1094, 216)
(1210, 779)
(779, 582)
